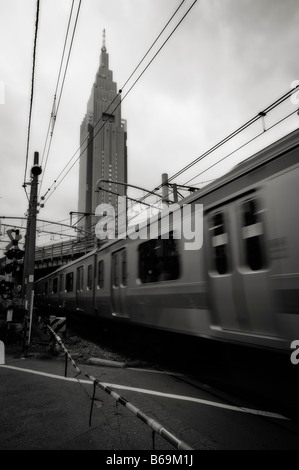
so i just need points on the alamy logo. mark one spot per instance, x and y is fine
(2, 92)
(295, 354)
(2, 353)
(187, 223)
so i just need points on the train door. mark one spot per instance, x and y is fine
(238, 268)
(119, 283)
(79, 287)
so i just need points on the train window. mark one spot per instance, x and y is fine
(80, 273)
(101, 274)
(124, 268)
(89, 277)
(69, 282)
(253, 235)
(55, 285)
(219, 239)
(114, 272)
(159, 260)
(61, 283)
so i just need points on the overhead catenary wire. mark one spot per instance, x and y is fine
(106, 112)
(32, 92)
(202, 156)
(58, 78)
(55, 106)
(218, 161)
(226, 139)
(46, 223)
(276, 103)
(161, 47)
(233, 134)
(243, 145)
(55, 183)
(148, 51)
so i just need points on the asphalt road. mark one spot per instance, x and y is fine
(41, 409)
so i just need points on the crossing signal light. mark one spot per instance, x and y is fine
(13, 267)
(10, 254)
(15, 253)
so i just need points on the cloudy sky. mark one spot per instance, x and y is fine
(227, 61)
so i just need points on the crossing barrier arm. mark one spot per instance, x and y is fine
(153, 424)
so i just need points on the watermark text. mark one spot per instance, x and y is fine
(183, 222)
(295, 354)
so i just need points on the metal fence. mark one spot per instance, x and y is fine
(69, 248)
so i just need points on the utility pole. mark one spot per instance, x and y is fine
(29, 259)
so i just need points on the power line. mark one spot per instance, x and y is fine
(167, 39)
(146, 54)
(56, 108)
(41, 232)
(61, 61)
(32, 90)
(48, 222)
(229, 137)
(226, 139)
(152, 205)
(106, 112)
(243, 145)
(68, 58)
(235, 133)
(244, 126)
(103, 124)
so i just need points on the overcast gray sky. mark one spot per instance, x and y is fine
(228, 60)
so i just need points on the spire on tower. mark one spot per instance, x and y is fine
(104, 42)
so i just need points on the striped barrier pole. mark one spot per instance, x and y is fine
(153, 424)
(58, 324)
(58, 339)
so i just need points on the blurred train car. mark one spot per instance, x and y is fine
(241, 285)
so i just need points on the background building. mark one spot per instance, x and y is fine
(103, 136)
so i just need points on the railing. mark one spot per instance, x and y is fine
(59, 252)
(67, 248)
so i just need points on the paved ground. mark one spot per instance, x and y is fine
(41, 409)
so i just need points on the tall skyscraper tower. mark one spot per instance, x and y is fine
(103, 137)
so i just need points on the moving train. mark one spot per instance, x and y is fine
(237, 282)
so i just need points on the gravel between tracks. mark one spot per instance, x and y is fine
(43, 346)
